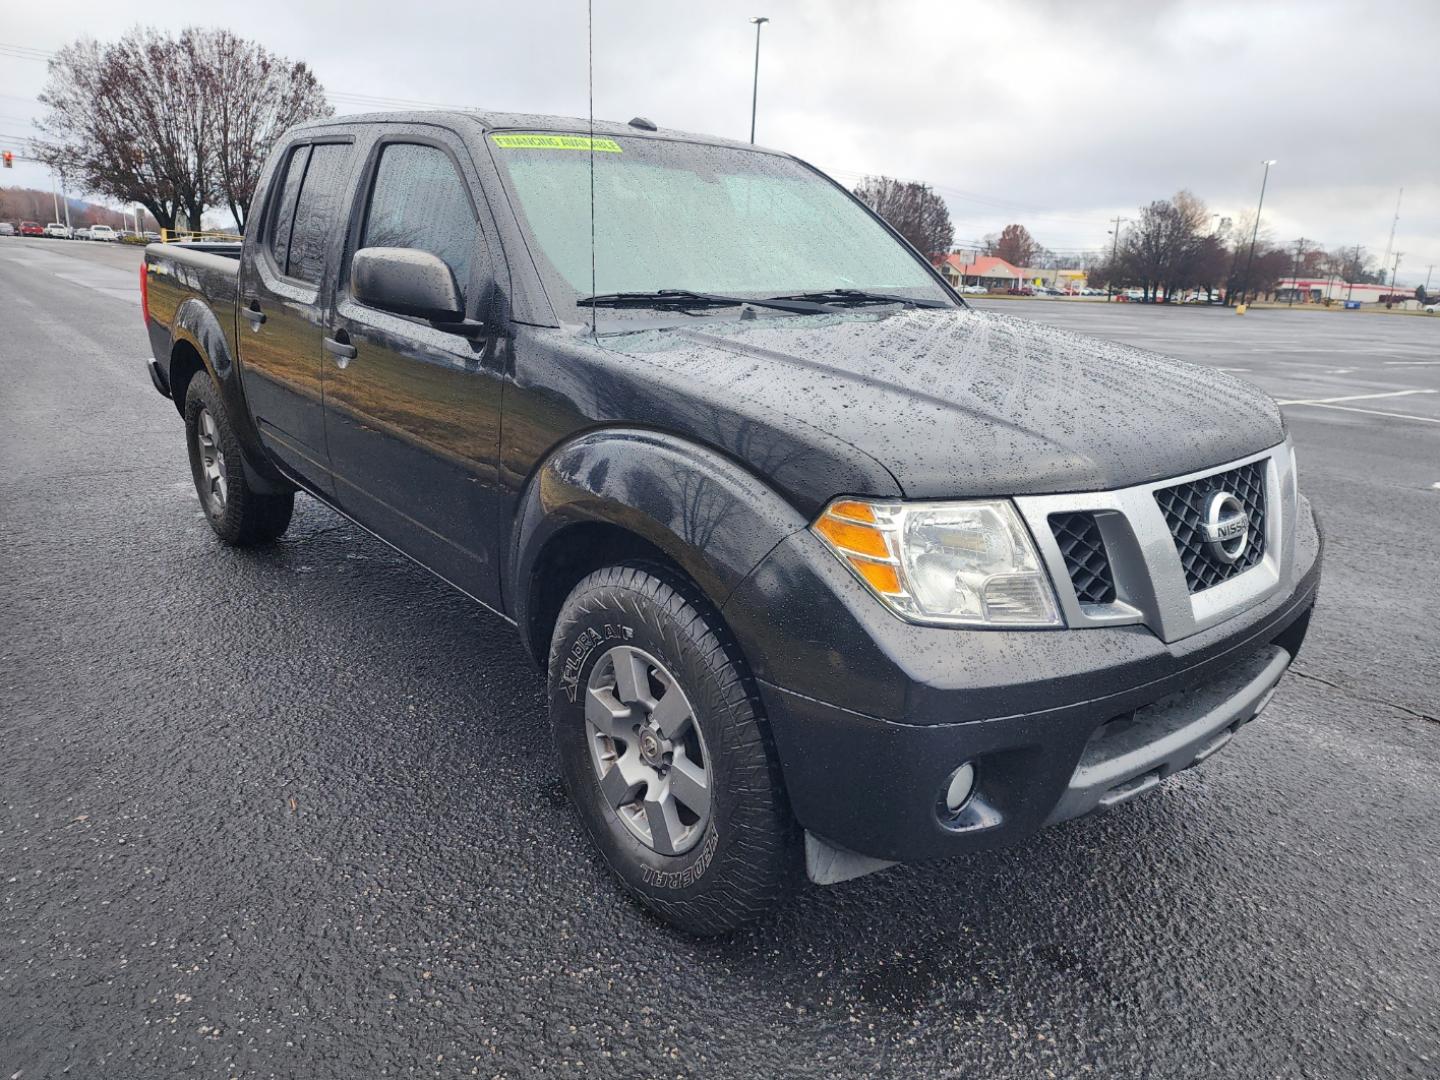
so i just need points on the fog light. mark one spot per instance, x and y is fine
(962, 783)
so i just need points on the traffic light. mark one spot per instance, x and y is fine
(9, 159)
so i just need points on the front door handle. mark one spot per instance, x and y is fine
(253, 313)
(340, 347)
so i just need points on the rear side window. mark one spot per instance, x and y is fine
(316, 211)
(420, 201)
(284, 212)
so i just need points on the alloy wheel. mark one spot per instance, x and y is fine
(647, 750)
(212, 463)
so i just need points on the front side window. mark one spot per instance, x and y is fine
(420, 201)
(717, 219)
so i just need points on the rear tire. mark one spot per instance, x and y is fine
(239, 514)
(682, 795)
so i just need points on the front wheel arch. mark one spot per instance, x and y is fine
(638, 493)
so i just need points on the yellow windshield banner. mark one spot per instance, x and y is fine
(556, 142)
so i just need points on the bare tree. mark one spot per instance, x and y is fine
(151, 119)
(257, 96)
(912, 209)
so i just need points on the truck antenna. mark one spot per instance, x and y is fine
(590, 59)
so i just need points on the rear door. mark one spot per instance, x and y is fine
(282, 309)
(413, 412)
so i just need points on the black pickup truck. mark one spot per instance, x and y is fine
(828, 570)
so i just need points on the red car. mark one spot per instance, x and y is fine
(31, 228)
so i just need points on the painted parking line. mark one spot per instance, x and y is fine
(1356, 397)
(1412, 363)
(1367, 412)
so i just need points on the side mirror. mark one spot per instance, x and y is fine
(406, 281)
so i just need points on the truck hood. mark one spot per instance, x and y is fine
(967, 403)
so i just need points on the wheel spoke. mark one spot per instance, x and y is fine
(671, 713)
(607, 714)
(624, 779)
(632, 678)
(690, 785)
(664, 822)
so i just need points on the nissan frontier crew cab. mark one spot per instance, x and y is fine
(828, 570)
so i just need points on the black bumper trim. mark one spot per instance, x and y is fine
(157, 377)
(871, 785)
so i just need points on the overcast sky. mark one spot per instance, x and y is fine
(1056, 115)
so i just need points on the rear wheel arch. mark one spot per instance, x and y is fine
(185, 364)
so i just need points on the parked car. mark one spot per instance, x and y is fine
(57, 231)
(103, 233)
(6, 229)
(31, 228)
(80, 233)
(826, 569)
(1432, 308)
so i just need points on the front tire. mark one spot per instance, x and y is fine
(663, 751)
(239, 514)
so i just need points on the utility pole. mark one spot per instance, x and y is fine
(1295, 271)
(1114, 251)
(1390, 244)
(759, 21)
(1428, 271)
(1395, 269)
(1255, 232)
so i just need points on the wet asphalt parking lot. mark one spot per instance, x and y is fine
(291, 811)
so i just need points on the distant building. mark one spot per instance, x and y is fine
(1071, 280)
(988, 270)
(1318, 290)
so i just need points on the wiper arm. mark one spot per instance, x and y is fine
(682, 298)
(851, 297)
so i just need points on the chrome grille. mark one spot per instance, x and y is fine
(1184, 508)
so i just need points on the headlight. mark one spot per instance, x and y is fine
(956, 564)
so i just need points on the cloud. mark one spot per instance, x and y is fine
(1057, 115)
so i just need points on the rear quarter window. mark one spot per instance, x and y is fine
(317, 210)
(283, 216)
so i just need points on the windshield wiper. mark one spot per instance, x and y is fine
(683, 298)
(856, 297)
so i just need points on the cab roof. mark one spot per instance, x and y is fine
(507, 121)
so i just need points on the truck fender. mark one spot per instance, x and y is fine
(711, 516)
(195, 324)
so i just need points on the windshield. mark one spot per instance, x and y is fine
(709, 219)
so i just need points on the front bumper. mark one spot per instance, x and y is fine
(1058, 723)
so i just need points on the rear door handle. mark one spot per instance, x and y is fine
(343, 350)
(253, 313)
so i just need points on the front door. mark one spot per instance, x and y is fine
(282, 312)
(412, 413)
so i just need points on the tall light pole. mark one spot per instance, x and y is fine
(759, 21)
(1295, 271)
(1250, 262)
(1114, 251)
